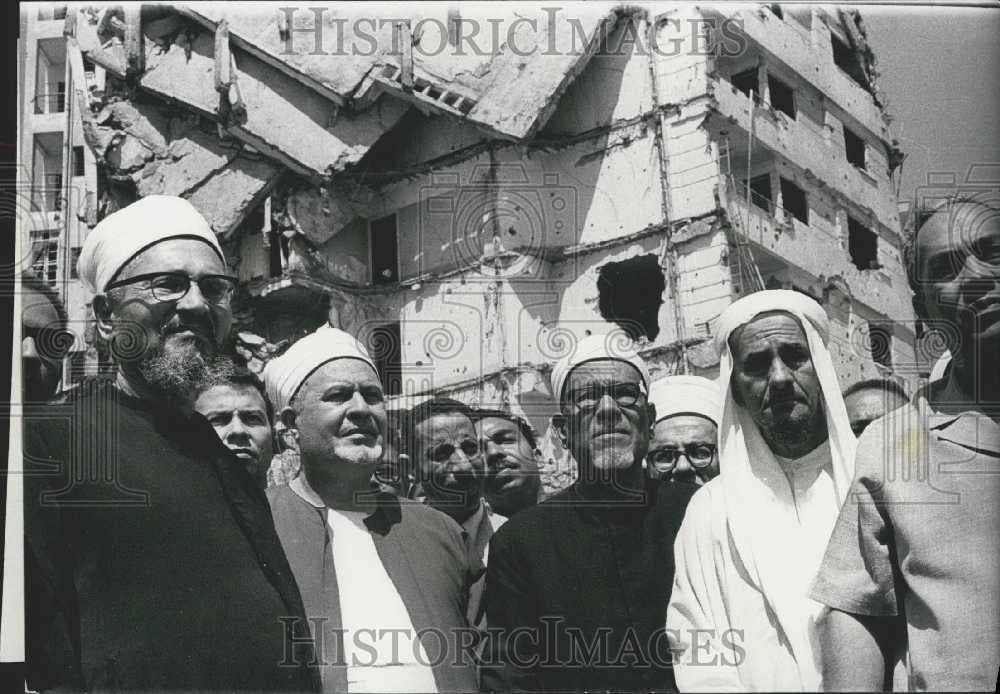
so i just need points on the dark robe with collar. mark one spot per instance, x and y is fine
(151, 559)
(576, 595)
(424, 555)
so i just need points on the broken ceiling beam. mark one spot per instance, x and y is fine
(134, 51)
(285, 120)
(232, 110)
(404, 39)
(223, 73)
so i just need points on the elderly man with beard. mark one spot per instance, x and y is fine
(152, 562)
(512, 459)
(913, 560)
(577, 586)
(753, 537)
(385, 580)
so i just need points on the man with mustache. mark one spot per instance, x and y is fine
(385, 580)
(913, 560)
(512, 461)
(753, 537)
(448, 462)
(234, 402)
(684, 446)
(577, 586)
(152, 562)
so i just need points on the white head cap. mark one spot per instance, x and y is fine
(686, 395)
(284, 375)
(613, 346)
(124, 234)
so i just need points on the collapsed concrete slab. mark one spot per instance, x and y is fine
(157, 152)
(285, 119)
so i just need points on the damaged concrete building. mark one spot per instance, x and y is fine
(472, 190)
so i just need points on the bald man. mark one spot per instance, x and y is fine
(152, 561)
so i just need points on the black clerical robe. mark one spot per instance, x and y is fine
(576, 595)
(151, 558)
(424, 555)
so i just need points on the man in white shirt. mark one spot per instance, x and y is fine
(385, 581)
(752, 538)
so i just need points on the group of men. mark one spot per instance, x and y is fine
(730, 534)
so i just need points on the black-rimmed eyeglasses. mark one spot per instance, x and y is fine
(699, 455)
(173, 286)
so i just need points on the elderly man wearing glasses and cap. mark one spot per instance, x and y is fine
(577, 586)
(385, 580)
(753, 538)
(685, 437)
(152, 561)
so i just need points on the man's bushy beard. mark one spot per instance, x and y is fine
(176, 372)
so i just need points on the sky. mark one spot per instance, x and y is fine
(940, 73)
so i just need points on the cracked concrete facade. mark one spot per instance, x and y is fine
(510, 181)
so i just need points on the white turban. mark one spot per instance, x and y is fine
(613, 346)
(675, 395)
(124, 234)
(780, 550)
(284, 375)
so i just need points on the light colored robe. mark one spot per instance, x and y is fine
(753, 537)
(723, 621)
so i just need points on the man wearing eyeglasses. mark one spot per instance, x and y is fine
(577, 586)
(685, 437)
(151, 557)
(448, 463)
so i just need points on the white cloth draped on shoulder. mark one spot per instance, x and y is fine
(753, 538)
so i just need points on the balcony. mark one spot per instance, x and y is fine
(807, 150)
(49, 113)
(813, 61)
(50, 103)
(817, 252)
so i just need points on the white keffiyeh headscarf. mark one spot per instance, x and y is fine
(781, 539)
